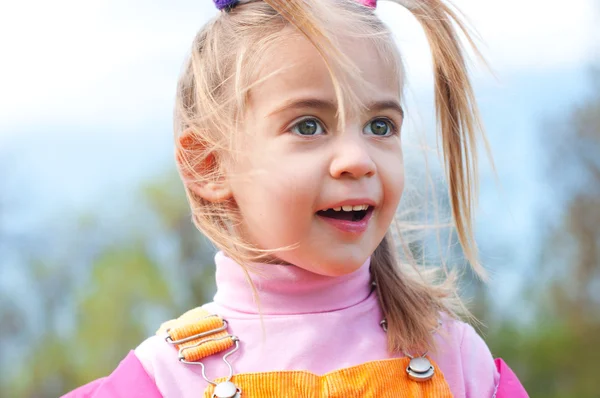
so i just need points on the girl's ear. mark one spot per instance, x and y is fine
(204, 180)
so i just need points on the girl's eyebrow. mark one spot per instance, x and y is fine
(303, 103)
(379, 106)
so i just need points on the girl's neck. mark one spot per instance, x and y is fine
(287, 289)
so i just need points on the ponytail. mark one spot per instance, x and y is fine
(457, 113)
(410, 304)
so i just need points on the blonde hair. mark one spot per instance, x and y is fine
(211, 97)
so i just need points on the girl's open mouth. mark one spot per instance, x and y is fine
(348, 219)
(347, 213)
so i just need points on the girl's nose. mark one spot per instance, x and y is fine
(352, 159)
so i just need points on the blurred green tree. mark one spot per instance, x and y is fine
(109, 294)
(556, 355)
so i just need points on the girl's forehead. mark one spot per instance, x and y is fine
(293, 68)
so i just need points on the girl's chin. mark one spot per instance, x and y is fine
(328, 263)
(332, 268)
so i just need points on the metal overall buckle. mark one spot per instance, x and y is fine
(419, 368)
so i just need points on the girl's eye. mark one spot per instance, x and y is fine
(379, 127)
(308, 127)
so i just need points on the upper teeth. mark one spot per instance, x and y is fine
(352, 208)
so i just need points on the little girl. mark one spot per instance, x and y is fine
(288, 121)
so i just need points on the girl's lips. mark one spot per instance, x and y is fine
(348, 226)
(352, 202)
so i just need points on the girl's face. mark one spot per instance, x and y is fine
(295, 168)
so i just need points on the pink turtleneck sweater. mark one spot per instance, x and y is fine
(312, 323)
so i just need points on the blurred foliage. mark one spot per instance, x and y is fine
(111, 290)
(124, 283)
(556, 355)
(112, 287)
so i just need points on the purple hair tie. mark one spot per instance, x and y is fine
(228, 4)
(225, 4)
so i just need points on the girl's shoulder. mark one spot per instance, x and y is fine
(465, 359)
(469, 366)
(130, 379)
(135, 376)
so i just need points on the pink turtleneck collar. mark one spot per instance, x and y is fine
(304, 315)
(287, 289)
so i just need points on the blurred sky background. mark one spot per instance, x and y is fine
(87, 91)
